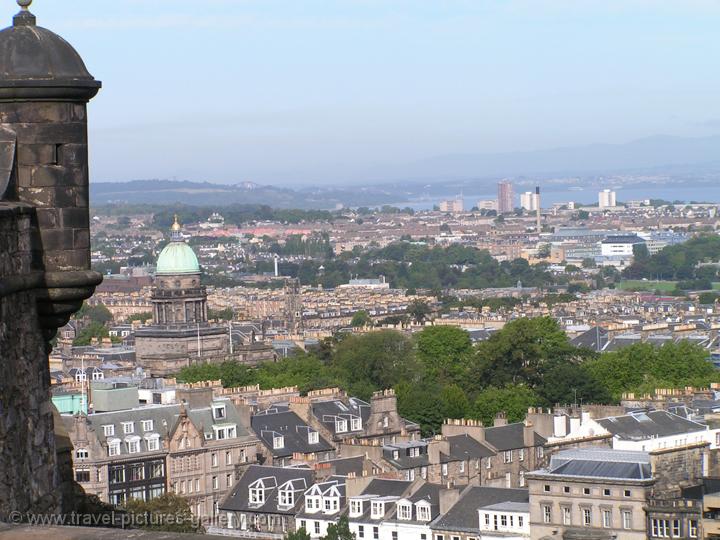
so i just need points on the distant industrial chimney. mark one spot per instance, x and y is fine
(537, 209)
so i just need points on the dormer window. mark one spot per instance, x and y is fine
(278, 442)
(287, 498)
(312, 504)
(340, 425)
(355, 424)
(225, 432)
(218, 412)
(356, 508)
(147, 425)
(128, 427)
(109, 430)
(153, 443)
(423, 512)
(114, 447)
(385, 421)
(257, 495)
(396, 454)
(313, 437)
(133, 445)
(377, 509)
(81, 453)
(404, 511)
(331, 504)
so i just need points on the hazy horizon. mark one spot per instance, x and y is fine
(288, 93)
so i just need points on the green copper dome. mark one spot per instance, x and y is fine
(177, 258)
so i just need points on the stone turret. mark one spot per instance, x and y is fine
(44, 249)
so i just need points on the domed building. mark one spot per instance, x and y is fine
(181, 334)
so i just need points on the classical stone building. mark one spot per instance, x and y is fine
(44, 249)
(181, 334)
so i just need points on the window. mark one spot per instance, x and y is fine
(488, 463)
(404, 511)
(692, 528)
(607, 519)
(317, 527)
(566, 515)
(303, 524)
(313, 437)
(278, 442)
(257, 495)
(676, 528)
(377, 509)
(340, 425)
(228, 480)
(82, 475)
(219, 412)
(546, 488)
(521, 479)
(507, 456)
(627, 519)
(213, 460)
(81, 453)
(520, 521)
(215, 483)
(385, 421)
(444, 469)
(462, 466)
(356, 508)
(361, 531)
(547, 513)
(566, 489)
(521, 454)
(394, 535)
(137, 473)
(376, 533)
(147, 425)
(606, 492)
(133, 446)
(153, 444)
(626, 493)
(423, 472)
(423, 513)
(355, 424)
(109, 430)
(503, 520)
(128, 427)
(587, 517)
(157, 470)
(660, 528)
(221, 433)
(586, 491)
(287, 497)
(116, 475)
(228, 458)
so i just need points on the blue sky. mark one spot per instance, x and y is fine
(335, 91)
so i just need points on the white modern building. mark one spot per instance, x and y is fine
(607, 199)
(529, 201)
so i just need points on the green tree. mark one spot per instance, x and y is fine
(445, 352)
(225, 314)
(374, 361)
(169, 513)
(300, 534)
(708, 298)
(98, 313)
(339, 530)
(360, 318)
(92, 330)
(421, 403)
(565, 382)
(513, 400)
(517, 354)
(142, 317)
(419, 310)
(454, 402)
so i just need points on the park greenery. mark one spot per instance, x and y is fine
(440, 373)
(680, 262)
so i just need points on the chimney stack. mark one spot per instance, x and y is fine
(537, 209)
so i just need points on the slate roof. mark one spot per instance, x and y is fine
(346, 466)
(379, 488)
(238, 498)
(464, 447)
(607, 464)
(427, 492)
(594, 339)
(293, 430)
(510, 437)
(404, 460)
(463, 515)
(327, 411)
(164, 419)
(646, 425)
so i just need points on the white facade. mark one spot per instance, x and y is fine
(410, 522)
(511, 520)
(607, 198)
(615, 249)
(487, 204)
(529, 201)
